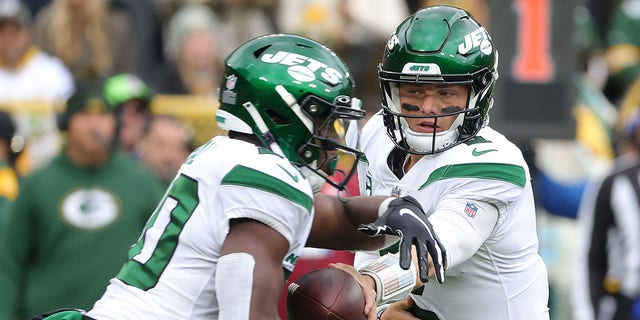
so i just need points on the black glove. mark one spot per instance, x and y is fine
(406, 219)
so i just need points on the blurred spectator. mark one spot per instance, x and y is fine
(73, 219)
(589, 45)
(165, 146)
(98, 39)
(147, 33)
(601, 10)
(192, 50)
(30, 79)
(243, 20)
(623, 49)
(630, 103)
(26, 73)
(35, 5)
(559, 185)
(478, 8)
(607, 281)
(352, 28)
(10, 146)
(131, 98)
(341, 23)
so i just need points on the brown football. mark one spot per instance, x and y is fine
(324, 294)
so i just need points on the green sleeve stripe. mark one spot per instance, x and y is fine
(490, 171)
(247, 177)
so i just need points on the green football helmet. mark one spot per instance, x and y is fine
(290, 92)
(438, 45)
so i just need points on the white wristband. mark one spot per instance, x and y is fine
(392, 282)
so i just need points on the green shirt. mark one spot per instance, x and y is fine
(68, 233)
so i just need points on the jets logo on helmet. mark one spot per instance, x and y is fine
(303, 68)
(393, 41)
(421, 68)
(475, 39)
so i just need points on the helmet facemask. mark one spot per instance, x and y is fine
(418, 142)
(322, 150)
(469, 118)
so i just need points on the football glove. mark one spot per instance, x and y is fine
(405, 218)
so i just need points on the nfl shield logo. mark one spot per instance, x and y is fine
(231, 82)
(471, 209)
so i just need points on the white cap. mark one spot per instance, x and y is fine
(14, 10)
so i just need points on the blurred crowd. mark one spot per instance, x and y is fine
(175, 47)
(56, 56)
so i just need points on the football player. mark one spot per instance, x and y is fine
(431, 141)
(238, 213)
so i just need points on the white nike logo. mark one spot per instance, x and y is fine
(404, 211)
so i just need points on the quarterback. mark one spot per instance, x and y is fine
(431, 141)
(236, 217)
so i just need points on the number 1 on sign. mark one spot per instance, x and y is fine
(533, 61)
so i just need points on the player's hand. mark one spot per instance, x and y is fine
(405, 218)
(399, 310)
(368, 288)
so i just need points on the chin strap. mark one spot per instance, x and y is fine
(291, 101)
(265, 134)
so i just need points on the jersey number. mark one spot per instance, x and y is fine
(150, 255)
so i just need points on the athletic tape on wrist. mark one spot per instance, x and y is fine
(392, 282)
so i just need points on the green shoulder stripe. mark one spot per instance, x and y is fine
(476, 140)
(490, 171)
(247, 177)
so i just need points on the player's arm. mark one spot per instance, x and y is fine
(404, 217)
(249, 275)
(336, 221)
(460, 232)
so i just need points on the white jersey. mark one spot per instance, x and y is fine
(506, 277)
(42, 81)
(40, 77)
(171, 270)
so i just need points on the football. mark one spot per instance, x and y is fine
(324, 294)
